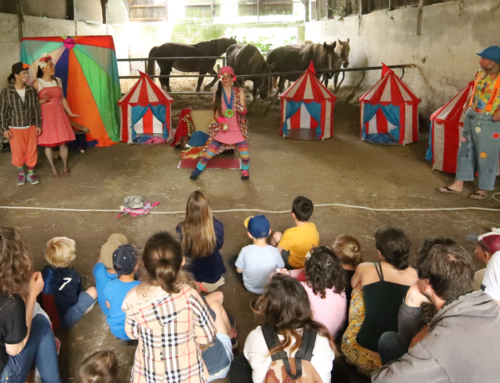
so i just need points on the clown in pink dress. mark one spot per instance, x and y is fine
(56, 128)
(229, 129)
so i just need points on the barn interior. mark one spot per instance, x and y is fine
(356, 186)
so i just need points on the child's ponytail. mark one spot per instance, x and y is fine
(162, 261)
(166, 276)
(11, 79)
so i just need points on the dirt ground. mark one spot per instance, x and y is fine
(341, 170)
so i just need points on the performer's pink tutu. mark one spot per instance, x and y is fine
(56, 129)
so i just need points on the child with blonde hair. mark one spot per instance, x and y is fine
(62, 295)
(100, 367)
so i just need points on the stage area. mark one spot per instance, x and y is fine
(339, 170)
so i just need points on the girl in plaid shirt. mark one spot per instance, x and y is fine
(168, 317)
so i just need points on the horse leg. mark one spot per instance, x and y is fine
(211, 83)
(166, 81)
(325, 79)
(335, 80)
(254, 95)
(200, 82)
(278, 91)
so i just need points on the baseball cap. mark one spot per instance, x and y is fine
(125, 259)
(490, 241)
(491, 53)
(258, 226)
(107, 251)
(19, 67)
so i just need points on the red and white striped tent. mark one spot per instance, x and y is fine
(307, 104)
(389, 112)
(446, 129)
(145, 110)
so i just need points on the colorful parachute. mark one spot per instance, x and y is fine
(89, 73)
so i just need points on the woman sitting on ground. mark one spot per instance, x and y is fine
(202, 236)
(285, 307)
(26, 337)
(379, 289)
(325, 283)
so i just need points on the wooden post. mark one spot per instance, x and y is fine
(211, 11)
(316, 4)
(20, 19)
(420, 16)
(391, 5)
(258, 11)
(306, 8)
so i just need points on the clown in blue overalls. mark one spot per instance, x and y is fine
(480, 140)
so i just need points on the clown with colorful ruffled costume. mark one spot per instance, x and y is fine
(229, 130)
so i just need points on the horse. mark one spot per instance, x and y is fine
(214, 47)
(246, 59)
(341, 57)
(292, 58)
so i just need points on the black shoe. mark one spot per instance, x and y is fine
(245, 176)
(194, 175)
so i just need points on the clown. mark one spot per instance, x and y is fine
(229, 130)
(56, 128)
(21, 121)
(480, 141)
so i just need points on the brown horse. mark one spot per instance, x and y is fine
(215, 47)
(291, 58)
(246, 59)
(341, 58)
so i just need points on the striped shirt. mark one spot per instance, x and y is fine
(14, 112)
(170, 329)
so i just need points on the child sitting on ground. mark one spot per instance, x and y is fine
(63, 285)
(488, 252)
(325, 284)
(218, 357)
(125, 265)
(348, 250)
(256, 262)
(100, 367)
(168, 316)
(103, 270)
(296, 242)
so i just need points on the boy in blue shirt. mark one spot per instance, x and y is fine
(257, 261)
(103, 270)
(62, 296)
(125, 265)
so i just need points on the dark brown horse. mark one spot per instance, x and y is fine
(291, 58)
(246, 59)
(215, 47)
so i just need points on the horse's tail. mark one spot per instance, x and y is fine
(151, 62)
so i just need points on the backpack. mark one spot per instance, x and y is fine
(288, 370)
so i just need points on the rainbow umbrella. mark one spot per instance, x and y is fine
(89, 73)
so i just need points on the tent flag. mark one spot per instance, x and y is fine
(89, 73)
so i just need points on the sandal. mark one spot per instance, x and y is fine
(67, 173)
(478, 196)
(55, 174)
(446, 189)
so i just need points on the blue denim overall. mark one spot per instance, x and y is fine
(479, 148)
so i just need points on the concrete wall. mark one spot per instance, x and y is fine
(444, 53)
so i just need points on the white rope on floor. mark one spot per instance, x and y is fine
(250, 210)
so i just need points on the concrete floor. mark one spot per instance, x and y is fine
(341, 170)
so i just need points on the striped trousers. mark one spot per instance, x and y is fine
(214, 147)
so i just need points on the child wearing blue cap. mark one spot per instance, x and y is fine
(125, 265)
(256, 262)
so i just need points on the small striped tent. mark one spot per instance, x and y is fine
(389, 112)
(145, 110)
(446, 129)
(307, 104)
